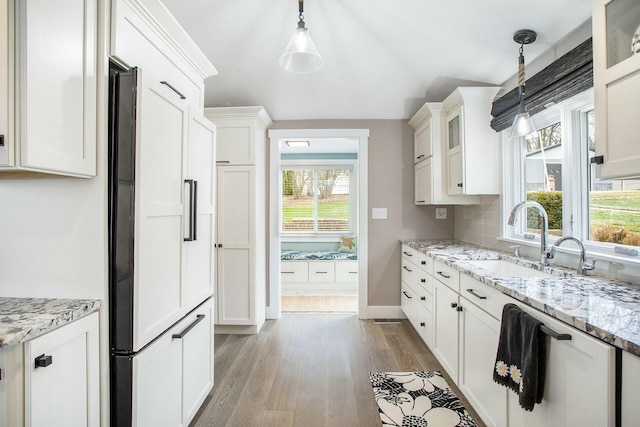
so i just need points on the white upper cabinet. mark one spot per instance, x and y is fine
(4, 82)
(616, 26)
(430, 158)
(471, 146)
(52, 68)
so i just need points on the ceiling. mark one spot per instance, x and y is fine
(382, 58)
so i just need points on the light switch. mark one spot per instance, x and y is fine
(378, 213)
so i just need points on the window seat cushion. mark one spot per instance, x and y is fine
(320, 255)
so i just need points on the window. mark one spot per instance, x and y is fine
(552, 167)
(317, 199)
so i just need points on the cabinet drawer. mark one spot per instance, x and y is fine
(409, 273)
(321, 271)
(447, 275)
(294, 271)
(484, 296)
(425, 262)
(409, 253)
(346, 271)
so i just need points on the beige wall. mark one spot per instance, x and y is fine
(391, 185)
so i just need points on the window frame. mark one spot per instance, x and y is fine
(572, 113)
(314, 164)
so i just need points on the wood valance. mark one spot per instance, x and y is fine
(565, 77)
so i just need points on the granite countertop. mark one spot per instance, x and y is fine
(22, 319)
(606, 309)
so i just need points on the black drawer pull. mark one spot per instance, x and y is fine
(288, 272)
(423, 324)
(43, 361)
(443, 275)
(472, 292)
(321, 272)
(423, 280)
(423, 298)
(554, 334)
(460, 184)
(407, 253)
(173, 89)
(408, 269)
(199, 318)
(353, 272)
(423, 262)
(406, 295)
(454, 305)
(420, 201)
(420, 156)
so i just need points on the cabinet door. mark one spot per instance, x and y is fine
(294, 271)
(197, 360)
(422, 144)
(446, 320)
(235, 253)
(630, 389)
(6, 156)
(578, 388)
(236, 142)
(163, 128)
(455, 160)
(423, 173)
(199, 251)
(479, 336)
(65, 392)
(616, 86)
(57, 90)
(157, 382)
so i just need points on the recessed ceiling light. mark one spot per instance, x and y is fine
(297, 143)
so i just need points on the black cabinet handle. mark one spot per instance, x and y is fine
(472, 292)
(423, 280)
(1, 140)
(460, 184)
(199, 318)
(224, 162)
(459, 308)
(288, 272)
(423, 298)
(422, 324)
(420, 156)
(406, 295)
(407, 253)
(420, 201)
(423, 262)
(443, 275)
(353, 272)
(554, 334)
(167, 84)
(43, 361)
(193, 209)
(454, 305)
(406, 268)
(321, 272)
(597, 160)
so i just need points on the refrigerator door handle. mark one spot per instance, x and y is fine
(199, 318)
(193, 210)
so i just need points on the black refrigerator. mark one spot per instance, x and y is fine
(121, 202)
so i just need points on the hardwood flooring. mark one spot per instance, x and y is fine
(319, 304)
(310, 370)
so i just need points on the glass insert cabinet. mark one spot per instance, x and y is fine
(616, 59)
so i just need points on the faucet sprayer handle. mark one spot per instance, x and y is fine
(588, 266)
(516, 250)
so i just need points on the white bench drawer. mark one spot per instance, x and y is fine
(346, 271)
(294, 271)
(321, 271)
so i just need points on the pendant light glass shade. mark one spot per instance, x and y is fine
(301, 54)
(522, 125)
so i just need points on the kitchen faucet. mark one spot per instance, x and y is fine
(545, 254)
(583, 266)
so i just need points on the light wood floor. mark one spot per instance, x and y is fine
(310, 370)
(319, 304)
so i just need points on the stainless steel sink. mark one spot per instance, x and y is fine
(499, 267)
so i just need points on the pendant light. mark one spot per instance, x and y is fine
(522, 123)
(301, 55)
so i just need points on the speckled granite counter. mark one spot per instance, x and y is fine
(606, 309)
(22, 319)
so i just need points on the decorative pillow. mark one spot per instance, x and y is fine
(348, 244)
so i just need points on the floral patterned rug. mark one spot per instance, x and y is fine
(417, 399)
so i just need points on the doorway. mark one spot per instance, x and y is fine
(330, 165)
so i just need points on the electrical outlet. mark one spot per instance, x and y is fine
(441, 213)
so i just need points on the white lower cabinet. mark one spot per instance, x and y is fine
(446, 331)
(479, 335)
(630, 389)
(579, 382)
(61, 379)
(172, 377)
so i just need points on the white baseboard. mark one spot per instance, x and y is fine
(384, 312)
